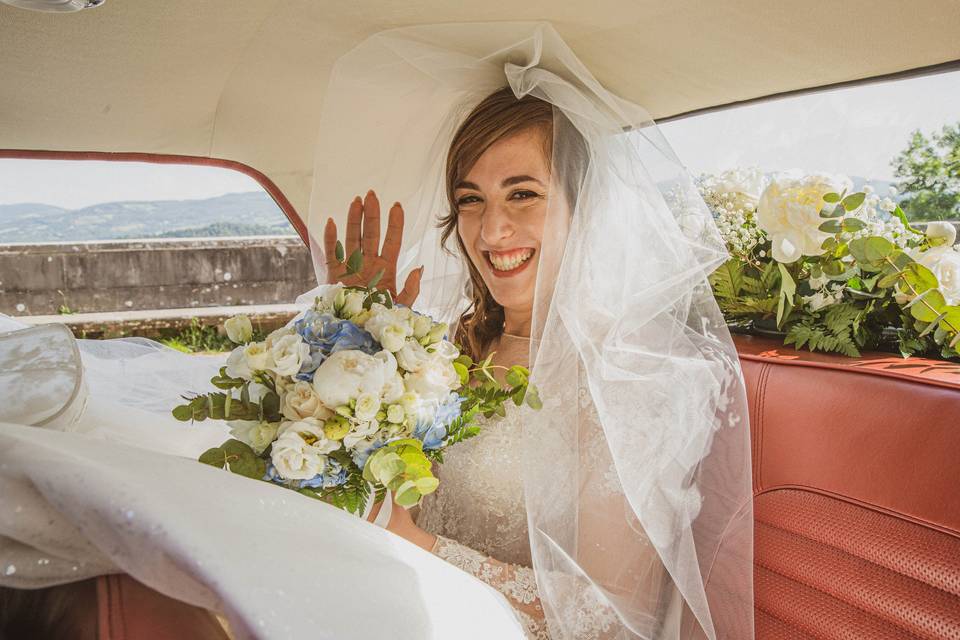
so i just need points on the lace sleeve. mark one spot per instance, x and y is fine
(515, 581)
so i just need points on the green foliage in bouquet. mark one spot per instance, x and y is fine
(867, 283)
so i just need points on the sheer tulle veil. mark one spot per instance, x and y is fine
(629, 350)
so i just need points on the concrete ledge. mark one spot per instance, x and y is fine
(158, 322)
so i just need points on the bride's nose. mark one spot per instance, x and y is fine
(496, 225)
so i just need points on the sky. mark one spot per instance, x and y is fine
(855, 131)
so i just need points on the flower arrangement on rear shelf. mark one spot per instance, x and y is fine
(354, 396)
(835, 270)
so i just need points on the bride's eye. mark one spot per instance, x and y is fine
(523, 194)
(465, 201)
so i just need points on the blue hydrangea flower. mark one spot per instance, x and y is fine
(432, 429)
(328, 334)
(333, 476)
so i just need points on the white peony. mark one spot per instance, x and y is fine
(300, 452)
(346, 374)
(288, 354)
(944, 262)
(941, 233)
(412, 356)
(368, 404)
(301, 401)
(239, 329)
(435, 379)
(257, 434)
(789, 213)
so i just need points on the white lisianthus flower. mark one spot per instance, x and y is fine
(237, 365)
(258, 357)
(239, 329)
(301, 401)
(789, 213)
(421, 325)
(412, 356)
(352, 304)
(360, 432)
(941, 233)
(346, 374)
(393, 336)
(368, 404)
(944, 262)
(257, 434)
(300, 452)
(435, 380)
(288, 354)
(395, 414)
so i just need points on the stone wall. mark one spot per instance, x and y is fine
(139, 275)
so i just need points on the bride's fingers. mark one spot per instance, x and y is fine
(354, 224)
(394, 238)
(370, 238)
(411, 288)
(330, 246)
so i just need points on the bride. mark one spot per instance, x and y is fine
(555, 229)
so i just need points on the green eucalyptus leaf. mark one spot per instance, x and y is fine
(831, 226)
(853, 201)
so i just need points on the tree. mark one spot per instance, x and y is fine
(929, 173)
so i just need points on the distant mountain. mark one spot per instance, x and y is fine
(253, 213)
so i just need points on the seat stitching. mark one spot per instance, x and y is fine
(853, 555)
(833, 597)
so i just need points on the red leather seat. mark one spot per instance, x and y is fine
(129, 610)
(856, 475)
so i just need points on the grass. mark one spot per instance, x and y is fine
(198, 338)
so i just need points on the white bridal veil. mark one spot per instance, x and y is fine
(629, 351)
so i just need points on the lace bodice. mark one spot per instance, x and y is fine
(479, 502)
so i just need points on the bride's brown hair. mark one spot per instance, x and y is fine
(498, 116)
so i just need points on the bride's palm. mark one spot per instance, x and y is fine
(363, 233)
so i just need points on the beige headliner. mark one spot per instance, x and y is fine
(243, 79)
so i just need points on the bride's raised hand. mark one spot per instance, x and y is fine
(363, 234)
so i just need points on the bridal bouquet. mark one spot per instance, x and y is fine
(833, 268)
(355, 396)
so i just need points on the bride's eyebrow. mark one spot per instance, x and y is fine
(509, 182)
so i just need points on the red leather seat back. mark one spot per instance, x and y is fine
(857, 494)
(129, 610)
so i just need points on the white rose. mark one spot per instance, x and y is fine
(367, 406)
(257, 434)
(359, 433)
(394, 336)
(352, 304)
(421, 325)
(412, 356)
(237, 365)
(944, 262)
(941, 233)
(395, 413)
(346, 374)
(435, 379)
(257, 356)
(288, 354)
(239, 329)
(789, 213)
(300, 452)
(301, 401)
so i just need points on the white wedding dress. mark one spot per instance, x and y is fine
(479, 515)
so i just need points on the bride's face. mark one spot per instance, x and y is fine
(502, 206)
